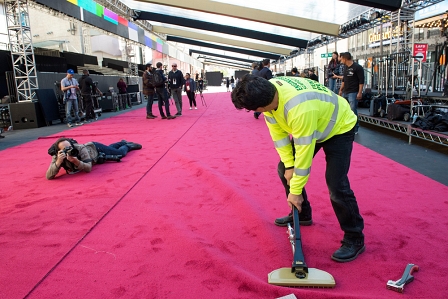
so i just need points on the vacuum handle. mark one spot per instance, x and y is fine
(296, 222)
(298, 263)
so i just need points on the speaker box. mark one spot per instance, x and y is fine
(26, 115)
(107, 103)
(135, 98)
(49, 105)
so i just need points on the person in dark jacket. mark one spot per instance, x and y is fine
(266, 71)
(162, 94)
(190, 88)
(333, 72)
(176, 80)
(295, 72)
(312, 75)
(255, 72)
(122, 90)
(87, 88)
(148, 90)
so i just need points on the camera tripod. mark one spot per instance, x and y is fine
(204, 103)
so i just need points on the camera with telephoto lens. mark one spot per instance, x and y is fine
(70, 151)
(102, 158)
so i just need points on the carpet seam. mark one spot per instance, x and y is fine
(114, 205)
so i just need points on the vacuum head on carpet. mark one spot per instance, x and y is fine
(299, 275)
(398, 286)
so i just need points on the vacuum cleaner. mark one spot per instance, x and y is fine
(299, 275)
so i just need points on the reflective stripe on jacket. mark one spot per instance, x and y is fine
(310, 113)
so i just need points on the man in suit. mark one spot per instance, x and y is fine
(266, 73)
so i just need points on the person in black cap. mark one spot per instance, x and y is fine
(69, 86)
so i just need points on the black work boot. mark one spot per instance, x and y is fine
(305, 218)
(348, 251)
(133, 146)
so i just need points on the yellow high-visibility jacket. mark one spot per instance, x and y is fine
(310, 113)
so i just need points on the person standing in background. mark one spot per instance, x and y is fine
(122, 90)
(162, 93)
(340, 75)
(200, 85)
(266, 73)
(332, 71)
(232, 82)
(227, 84)
(295, 72)
(312, 75)
(176, 80)
(255, 72)
(189, 89)
(87, 88)
(148, 90)
(69, 86)
(352, 84)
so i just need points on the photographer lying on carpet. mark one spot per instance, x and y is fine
(74, 157)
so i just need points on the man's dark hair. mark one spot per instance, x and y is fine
(346, 55)
(294, 70)
(265, 61)
(159, 64)
(253, 92)
(85, 72)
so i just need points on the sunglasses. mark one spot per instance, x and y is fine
(174, 65)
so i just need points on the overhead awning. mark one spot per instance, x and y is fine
(237, 26)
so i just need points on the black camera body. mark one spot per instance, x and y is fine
(70, 151)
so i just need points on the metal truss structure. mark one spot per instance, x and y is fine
(370, 19)
(429, 136)
(132, 70)
(407, 129)
(384, 123)
(21, 47)
(87, 49)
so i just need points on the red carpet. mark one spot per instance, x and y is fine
(191, 216)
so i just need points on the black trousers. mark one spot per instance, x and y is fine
(163, 99)
(338, 150)
(190, 95)
(88, 106)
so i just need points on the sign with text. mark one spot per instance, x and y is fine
(420, 51)
(326, 55)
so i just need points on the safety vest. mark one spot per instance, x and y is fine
(310, 113)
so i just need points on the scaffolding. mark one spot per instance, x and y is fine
(21, 47)
(132, 70)
(86, 48)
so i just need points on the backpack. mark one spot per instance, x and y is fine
(150, 77)
(157, 79)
